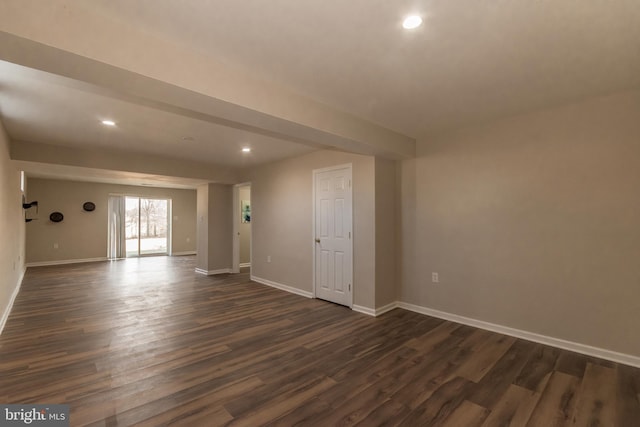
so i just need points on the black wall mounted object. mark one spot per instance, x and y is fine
(56, 217)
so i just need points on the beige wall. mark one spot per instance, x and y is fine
(202, 208)
(83, 235)
(406, 229)
(12, 226)
(385, 214)
(244, 193)
(215, 232)
(532, 222)
(220, 226)
(281, 195)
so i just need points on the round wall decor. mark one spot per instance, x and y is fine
(56, 217)
(89, 206)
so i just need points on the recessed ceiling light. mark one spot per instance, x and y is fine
(411, 22)
(108, 122)
(187, 138)
(246, 150)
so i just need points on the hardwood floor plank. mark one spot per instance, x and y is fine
(354, 410)
(190, 404)
(283, 403)
(434, 370)
(538, 369)
(496, 382)
(149, 342)
(557, 404)
(434, 337)
(386, 414)
(484, 356)
(314, 409)
(514, 409)
(468, 414)
(384, 379)
(210, 416)
(264, 393)
(628, 395)
(442, 403)
(571, 363)
(596, 398)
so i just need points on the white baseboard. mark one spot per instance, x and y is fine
(386, 308)
(7, 310)
(282, 287)
(375, 312)
(183, 253)
(64, 261)
(364, 310)
(213, 272)
(625, 359)
(245, 264)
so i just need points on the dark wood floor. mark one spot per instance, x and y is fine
(148, 342)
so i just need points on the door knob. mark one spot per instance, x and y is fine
(317, 240)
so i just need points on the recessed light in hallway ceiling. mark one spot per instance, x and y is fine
(108, 123)
(411, 22)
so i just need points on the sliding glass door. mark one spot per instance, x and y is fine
(147, 226)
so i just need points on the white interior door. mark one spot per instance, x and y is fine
(333, 230)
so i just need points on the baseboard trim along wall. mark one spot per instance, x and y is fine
(375, 312)
(385, 308)
(245, 264)
(364, 310)
(64, 261)
(282, 287)
(625, 359)
(213, 272)
(183, 253)
(14, 295)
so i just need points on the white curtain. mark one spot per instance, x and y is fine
(117, 222)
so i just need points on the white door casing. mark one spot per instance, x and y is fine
(332, 234)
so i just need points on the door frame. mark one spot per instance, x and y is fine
(314, 173)
(235, 255)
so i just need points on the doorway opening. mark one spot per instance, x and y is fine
(147, 226)
(241, 227)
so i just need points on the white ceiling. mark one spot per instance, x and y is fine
(470, 62)
(40, 107)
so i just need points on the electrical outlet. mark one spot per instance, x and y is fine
(55, 246)
(435, 278)
(188, 239)
(268, 258)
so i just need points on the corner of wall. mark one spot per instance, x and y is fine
(12, 230)
(385, 232)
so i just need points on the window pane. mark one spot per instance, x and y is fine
(153, 226)
(131, 233)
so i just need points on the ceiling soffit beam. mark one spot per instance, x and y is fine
(122, 161)
(250, 104)
(82, 174)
